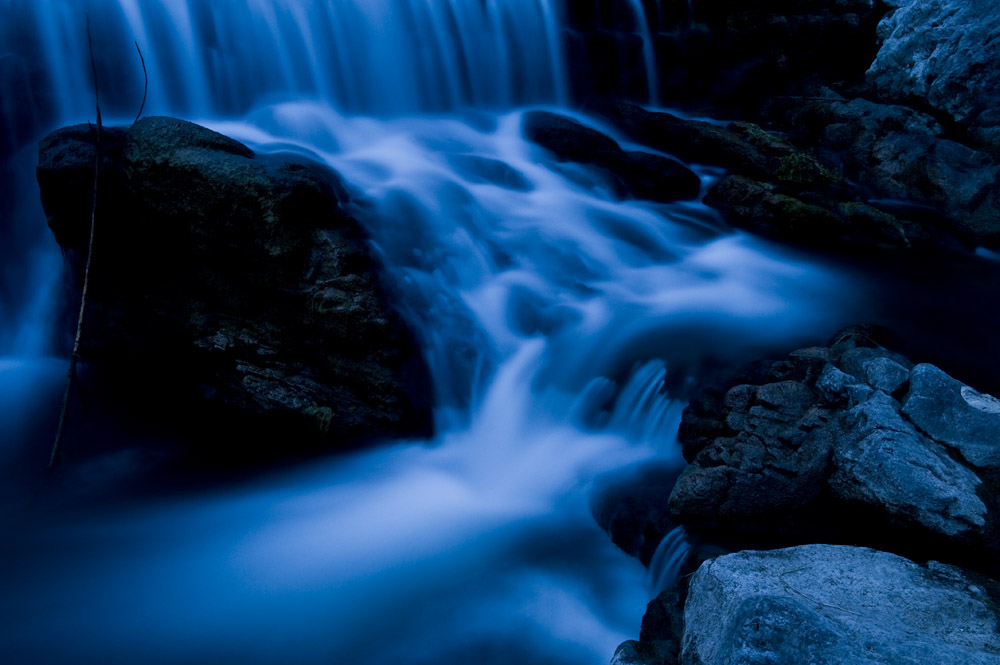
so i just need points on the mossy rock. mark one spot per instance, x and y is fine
(803, 169)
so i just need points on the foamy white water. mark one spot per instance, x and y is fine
(563, 329)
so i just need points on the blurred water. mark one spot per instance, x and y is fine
(563, 328)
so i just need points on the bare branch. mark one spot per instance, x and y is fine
(145, 85)
(71, 375)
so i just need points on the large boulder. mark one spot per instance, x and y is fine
(942, 55)
(837, 604)
(849, 442)
(233, 286)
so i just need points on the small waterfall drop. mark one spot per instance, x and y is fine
(372, 56)
(648, 51)
(668, 560)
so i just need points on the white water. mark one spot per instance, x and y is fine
(553, 318)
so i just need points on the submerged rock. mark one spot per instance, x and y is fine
(641, 175)
(234, 286)
(837, 604)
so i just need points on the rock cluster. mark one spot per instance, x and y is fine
(233, 286)
(849, 443)
(892, 144)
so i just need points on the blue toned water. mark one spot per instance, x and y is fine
(554, 317)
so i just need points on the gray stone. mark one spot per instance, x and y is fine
(885, 464)
(942, 52)
(837, 386)
(955, 414)
(886, 374)
(835, 604)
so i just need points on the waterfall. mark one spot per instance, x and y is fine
(372, 56)
(648, 52)
(564, 329)
(668, 560)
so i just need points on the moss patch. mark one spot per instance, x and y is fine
(802, 169)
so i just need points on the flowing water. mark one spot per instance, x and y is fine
(563, 329)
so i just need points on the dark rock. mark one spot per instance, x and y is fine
(233, 286)
(633, 510)
(732, 56)
(655, 178)
(899, 153)
(836, 604)
(832, 454)
(766, 210)
(659, 640)
(691, 140)
(638, 174)
(567, 139)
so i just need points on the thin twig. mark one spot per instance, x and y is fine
(145, 85)
(71, 375)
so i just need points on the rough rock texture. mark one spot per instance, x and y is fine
(232, 285)
(898, 153)
(943, 54)
(823, 447)
(836, 604)
(770, 211)
(641, 175)
(660, 636)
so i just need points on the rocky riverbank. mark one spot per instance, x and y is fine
(851, 445)
(856, 490)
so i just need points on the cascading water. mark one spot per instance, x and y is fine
(553, 317)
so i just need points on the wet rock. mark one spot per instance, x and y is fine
(768, 210)
(834, 454)
(942, 55)
(691, 140)
(478, 169)
(837, 604)
(233, 286)
(633, 510)
(898, 153)
(641, 175)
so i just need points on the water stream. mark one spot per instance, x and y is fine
(563, 328)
